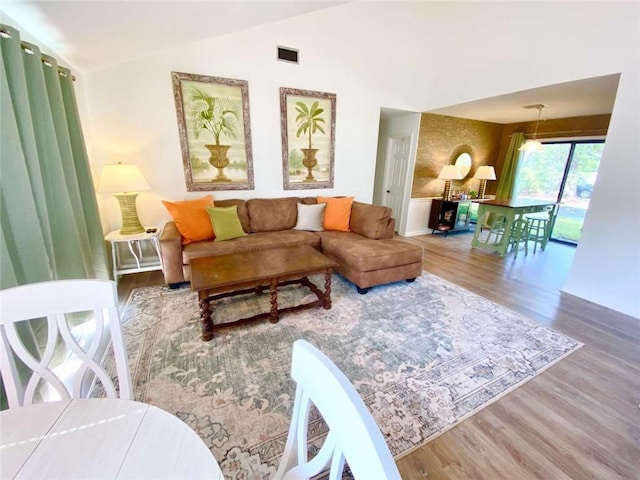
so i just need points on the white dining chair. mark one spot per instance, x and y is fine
(69, 365)
(353, 434)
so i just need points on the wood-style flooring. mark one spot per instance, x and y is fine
(579, 419)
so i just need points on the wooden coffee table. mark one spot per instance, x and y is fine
(251, 272)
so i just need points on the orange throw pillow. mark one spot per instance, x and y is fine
(192, 219)
(337, 213)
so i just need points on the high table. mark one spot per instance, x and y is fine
(100, 438)
(510, 209)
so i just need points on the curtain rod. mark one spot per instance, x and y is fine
(591, 131)
(46, 59)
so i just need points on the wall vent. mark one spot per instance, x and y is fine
(286, 54)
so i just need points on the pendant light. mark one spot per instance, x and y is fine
(533, 144)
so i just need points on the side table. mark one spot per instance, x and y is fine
(134, 243)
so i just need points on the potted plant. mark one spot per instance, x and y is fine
(309, 122)
(218, 116)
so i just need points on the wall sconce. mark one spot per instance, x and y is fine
(125, 181)
(484, 173)
(448, 173)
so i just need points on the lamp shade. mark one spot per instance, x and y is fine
(485, 172)
(450, 172)
(122, 178)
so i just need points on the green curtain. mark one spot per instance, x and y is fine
(507, 187)
(49, 219)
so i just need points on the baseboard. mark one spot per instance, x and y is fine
(413, 233)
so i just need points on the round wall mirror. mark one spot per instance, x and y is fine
(463, 162)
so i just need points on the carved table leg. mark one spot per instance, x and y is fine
(205, 317)
(327, 291)
(273, 315)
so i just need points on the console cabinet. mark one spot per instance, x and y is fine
(449, 216)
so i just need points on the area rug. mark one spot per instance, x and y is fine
(422, 355)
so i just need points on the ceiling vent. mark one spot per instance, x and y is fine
(287, 54)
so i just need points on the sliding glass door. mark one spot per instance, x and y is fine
(563, 172)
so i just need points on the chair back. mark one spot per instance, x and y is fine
(353, 435)
(70, 362)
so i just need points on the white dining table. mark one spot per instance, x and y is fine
(100, 438)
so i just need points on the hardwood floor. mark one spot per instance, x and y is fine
(579, 419)
(127, 283)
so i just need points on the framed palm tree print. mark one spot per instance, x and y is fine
(215, 131)
(308, 124)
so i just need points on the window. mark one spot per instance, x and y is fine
(563, 172)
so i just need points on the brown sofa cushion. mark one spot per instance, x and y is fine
(364, 254)
(250, 242)
(272, 214)
(368, 220)
(243, 213)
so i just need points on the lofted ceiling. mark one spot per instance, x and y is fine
(92, 35)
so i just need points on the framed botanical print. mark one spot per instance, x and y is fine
(308, 124)
(215, 131)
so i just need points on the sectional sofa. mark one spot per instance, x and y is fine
(368, 253)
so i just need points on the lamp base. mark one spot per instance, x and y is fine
(446, 195)
(130, 221)
(483, 188)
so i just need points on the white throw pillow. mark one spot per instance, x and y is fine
(310, 217)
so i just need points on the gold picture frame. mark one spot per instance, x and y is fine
(308, 125)
(215, 131)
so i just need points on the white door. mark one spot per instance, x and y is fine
(395, 173)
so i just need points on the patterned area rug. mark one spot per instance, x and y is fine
(423, 356)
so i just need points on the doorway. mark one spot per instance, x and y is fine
(395, 171)
(564, 172)
(395, 161)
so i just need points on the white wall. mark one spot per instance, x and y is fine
(606, 268)
(418, 216)
(134, 119)
(414, 56)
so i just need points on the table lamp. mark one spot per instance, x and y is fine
(125, 181)
(448, 173)
(484, 173)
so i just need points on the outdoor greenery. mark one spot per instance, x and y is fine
(567, 229)
(540, 176)
(541, 172)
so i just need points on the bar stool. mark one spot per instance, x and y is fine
(519, 234)
(538, 229)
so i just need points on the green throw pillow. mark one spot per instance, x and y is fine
(225, 222)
